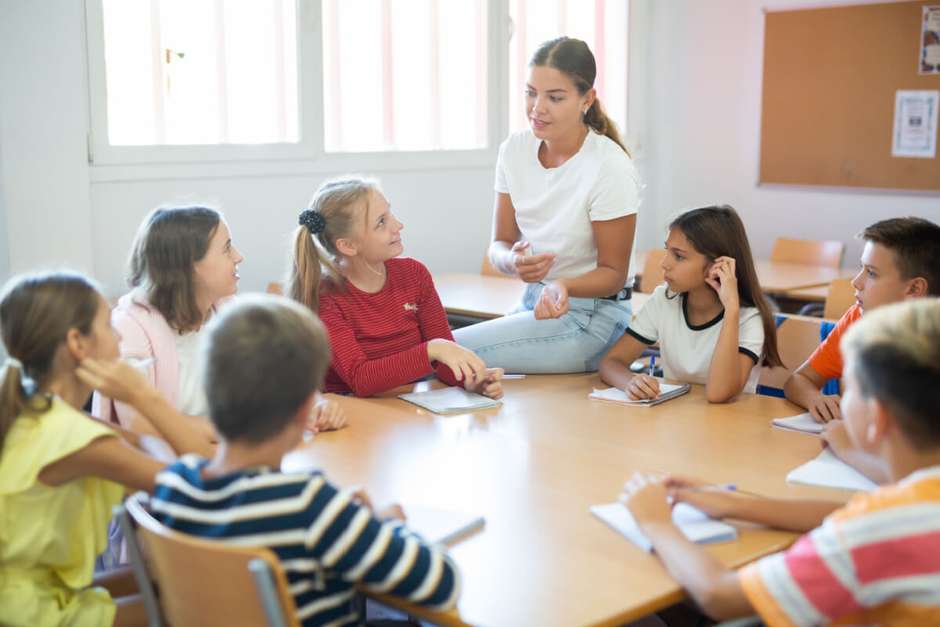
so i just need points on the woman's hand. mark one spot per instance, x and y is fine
(115, 379)
(530, 268)
(722, 278)
(463, 362)
(553, 301)
(490, 386)
(327, 415)
(642, 387)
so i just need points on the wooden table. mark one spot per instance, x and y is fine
(783, 278)
(533, 467)
(485, 297)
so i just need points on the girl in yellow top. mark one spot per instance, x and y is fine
(61, 471)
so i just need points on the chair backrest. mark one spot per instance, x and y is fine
(205, 582)
(841, 296)
(807, 251)
(652, 274)
(797, 338)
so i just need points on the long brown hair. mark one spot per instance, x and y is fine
(573, 58)
(718, 232)
(335, 207)
(36, 313)
(170, 241)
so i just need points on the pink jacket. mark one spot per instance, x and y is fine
(144, 334)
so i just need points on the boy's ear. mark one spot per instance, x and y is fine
(347, 247)
(880, 423)
(917, 287)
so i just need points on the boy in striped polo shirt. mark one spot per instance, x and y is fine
(875, 560)
(265, 361)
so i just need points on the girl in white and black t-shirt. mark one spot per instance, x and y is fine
(710, 319)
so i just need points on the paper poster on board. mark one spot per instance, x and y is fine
(930, 41)
(915, 124)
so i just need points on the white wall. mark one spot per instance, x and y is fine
(704, 90)
(695, 111)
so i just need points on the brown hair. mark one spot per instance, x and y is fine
(338, 202)
(36, 313)
(573, 58)
(718, 232)
(170, 241)
(265, 356)
(915, 243)
(894, 354)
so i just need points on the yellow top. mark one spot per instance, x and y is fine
(50, 536)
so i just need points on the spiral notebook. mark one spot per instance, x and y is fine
(691, 521)
(451, 400)
(667, 392)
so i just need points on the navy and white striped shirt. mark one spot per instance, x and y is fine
(325, 540)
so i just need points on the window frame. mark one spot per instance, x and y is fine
(123, 163)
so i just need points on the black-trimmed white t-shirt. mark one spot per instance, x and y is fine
(686, 350)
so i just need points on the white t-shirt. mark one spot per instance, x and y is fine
(555, 206)
(687, 350)
(192, 397)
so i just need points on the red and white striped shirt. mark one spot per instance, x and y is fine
(875, 561)
(379, 341)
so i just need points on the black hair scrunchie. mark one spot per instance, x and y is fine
(313, 220)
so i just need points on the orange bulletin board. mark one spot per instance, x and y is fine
(829, 84)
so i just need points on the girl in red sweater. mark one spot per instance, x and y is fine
(386, 324)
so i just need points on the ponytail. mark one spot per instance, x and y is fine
(307, 270)
(597, 119)
(12, 398)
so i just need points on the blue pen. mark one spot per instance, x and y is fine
(652, 364)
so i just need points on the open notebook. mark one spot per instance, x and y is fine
(829, 471)
(694, 524)
(804, 423)
(667, 391)
(441, 526)
(450, 400)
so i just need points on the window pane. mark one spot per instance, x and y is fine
(201, 71)
(404, 74)
(602, 24)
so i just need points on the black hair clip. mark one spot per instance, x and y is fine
(313, 220)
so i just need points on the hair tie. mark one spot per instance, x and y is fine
(313, 220)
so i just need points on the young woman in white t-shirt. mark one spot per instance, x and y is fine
(565, 217)
(711, 320)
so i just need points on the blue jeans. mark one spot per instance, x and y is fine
(575, 342)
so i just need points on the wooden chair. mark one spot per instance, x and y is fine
(797, 338)
(840, 298)
(652, 274)
(202, 582)
(809, 252)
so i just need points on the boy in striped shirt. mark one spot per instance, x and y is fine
(875, 560)
(265, 361)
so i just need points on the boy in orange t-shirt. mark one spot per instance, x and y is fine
(900, 260)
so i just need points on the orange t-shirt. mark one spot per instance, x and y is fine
(827, 358)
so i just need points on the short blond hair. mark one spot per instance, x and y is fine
(894, 354)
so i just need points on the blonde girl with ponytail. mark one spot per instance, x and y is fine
(386, 324)
(567, 195)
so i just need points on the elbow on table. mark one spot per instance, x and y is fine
(714, 395)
